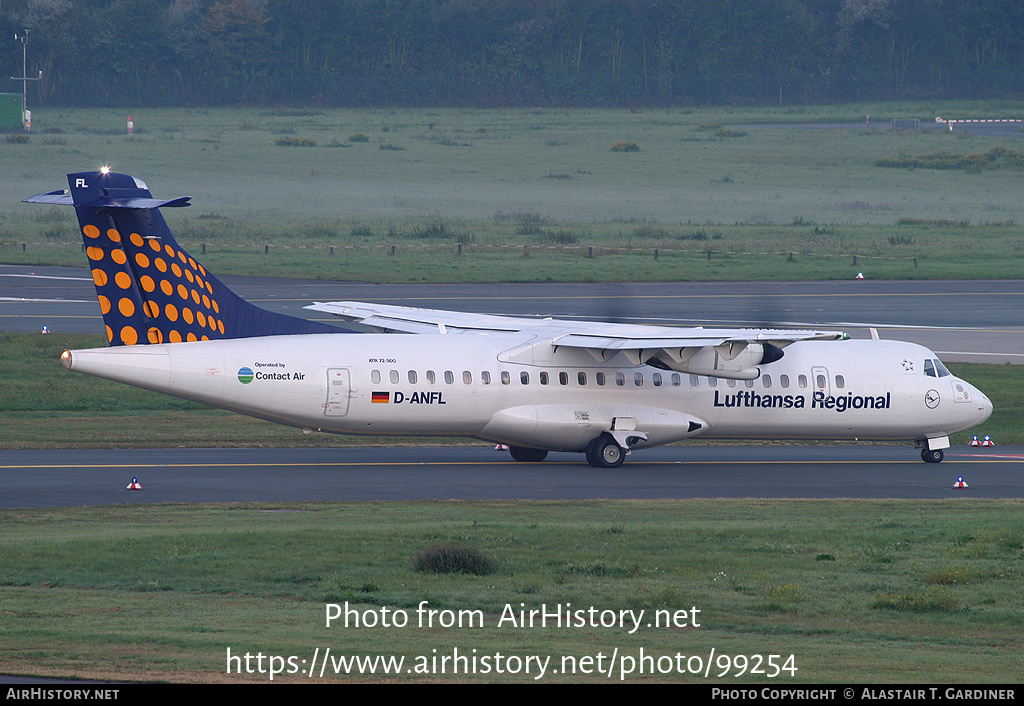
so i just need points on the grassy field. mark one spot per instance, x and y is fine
(527, 192)
(95, 413)
(855, 591)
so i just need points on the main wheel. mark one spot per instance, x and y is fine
(931, 455)
(527, 455)
(603, 452)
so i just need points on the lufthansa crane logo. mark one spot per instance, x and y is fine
(931, 399)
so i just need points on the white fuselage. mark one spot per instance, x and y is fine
(519, 389)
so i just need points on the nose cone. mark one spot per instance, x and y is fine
(983, 403)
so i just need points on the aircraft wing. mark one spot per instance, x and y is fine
(732, 353)
(578, 334)
(409, 319)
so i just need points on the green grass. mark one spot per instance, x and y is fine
(504, 180)
(162, 591)
(95, 413)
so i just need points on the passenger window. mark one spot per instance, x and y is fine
(375, 376)
(485, 377)
(819, 380)
(524, 378)
(412, 377)
(431, 377)
(600, 378)
(840, 382)
(801, 380)
(767, 380)
(505, 377)
(694, 380)
(544, 378)
(620, 379)
(676, 380)
(712, 382)
(730, 383)
(467, 377)
(748, 383)
(581, 378)
(784, 380)
(656, 379)
(449, 377)
(563, 378)
(395, 379)
(638, 379)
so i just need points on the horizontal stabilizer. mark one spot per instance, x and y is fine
(60, 197)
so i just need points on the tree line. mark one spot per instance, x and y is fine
(350, 53)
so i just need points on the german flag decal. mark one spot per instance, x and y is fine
(380, 397)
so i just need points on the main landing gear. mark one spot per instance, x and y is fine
(602, 452)
(931, 455)
(527, 455)
(605, 452)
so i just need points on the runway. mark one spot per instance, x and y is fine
(961, 320)
(978, 321)
(101, 477)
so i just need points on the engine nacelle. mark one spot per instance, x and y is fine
(734, 360)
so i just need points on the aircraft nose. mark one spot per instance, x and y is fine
(984, 405)
(980, 407)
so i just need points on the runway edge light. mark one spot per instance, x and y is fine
(135, 484)
(960, 482)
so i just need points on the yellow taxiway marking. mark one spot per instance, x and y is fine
(489, 463)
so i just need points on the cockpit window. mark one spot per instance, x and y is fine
(941, 369)
(929, 369)
(935, 369)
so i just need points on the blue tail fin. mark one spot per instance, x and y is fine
(150, 290)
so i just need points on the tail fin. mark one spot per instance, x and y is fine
(150, 290)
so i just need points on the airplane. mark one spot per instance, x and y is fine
(533, 384)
